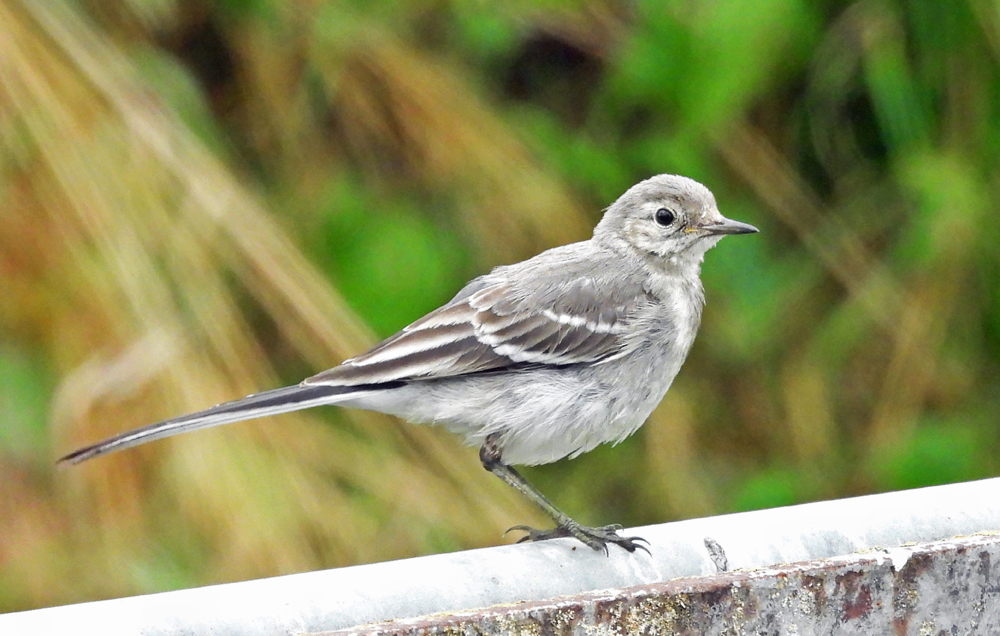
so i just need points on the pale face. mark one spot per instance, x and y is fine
(668, 217)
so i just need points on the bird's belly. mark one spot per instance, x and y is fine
(543, 414)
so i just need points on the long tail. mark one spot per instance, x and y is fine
(290, 398)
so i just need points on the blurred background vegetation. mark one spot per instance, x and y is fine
(201, 199)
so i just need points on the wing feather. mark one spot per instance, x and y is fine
(495, 324)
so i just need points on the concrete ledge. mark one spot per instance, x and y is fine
(347, 597)
(948, 587)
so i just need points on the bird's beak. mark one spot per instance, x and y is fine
(728, 226)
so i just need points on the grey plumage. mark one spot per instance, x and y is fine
(534, 361)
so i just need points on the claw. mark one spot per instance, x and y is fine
(534, 534)
(595, 538)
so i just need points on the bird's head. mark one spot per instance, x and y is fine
(668, 218)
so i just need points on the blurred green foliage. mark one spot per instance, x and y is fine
(25, 388)
(388, 258)
(852, 346)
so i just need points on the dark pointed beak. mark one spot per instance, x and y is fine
(728, 226)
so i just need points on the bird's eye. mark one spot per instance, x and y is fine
(664, 217)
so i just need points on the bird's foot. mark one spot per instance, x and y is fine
(597, 538)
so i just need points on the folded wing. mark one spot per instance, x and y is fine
(497, 324)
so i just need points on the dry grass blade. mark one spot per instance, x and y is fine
(752, 156)
(393, 102)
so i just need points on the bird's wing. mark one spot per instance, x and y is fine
(497, 323)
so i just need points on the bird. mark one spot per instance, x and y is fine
(535, 361)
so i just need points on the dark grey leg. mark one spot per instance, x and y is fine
(596, 538)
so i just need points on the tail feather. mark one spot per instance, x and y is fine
(283, 400)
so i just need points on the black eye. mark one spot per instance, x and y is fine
(664, 217)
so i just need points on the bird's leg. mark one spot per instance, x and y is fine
(596, 538)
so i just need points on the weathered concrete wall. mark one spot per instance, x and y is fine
(942, 588)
